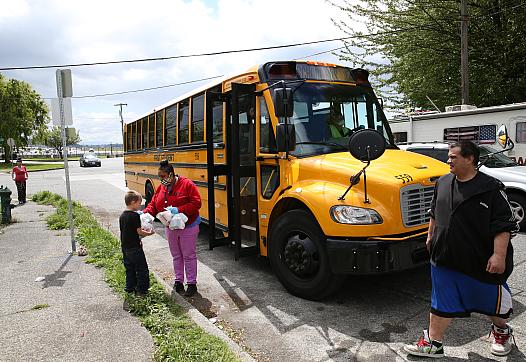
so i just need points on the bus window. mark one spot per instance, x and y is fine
(170, 126)
(159, 128)
(247, 117)
(183, 122)
(217, 114)
(198, 118)
(269, 180)
(134, 135)
(267, 142)
(144, 132)
(151, 130)
(129, 134)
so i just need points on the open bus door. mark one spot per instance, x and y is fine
(240, 170)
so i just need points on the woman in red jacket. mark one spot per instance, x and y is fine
(19, 175)
(179, 195)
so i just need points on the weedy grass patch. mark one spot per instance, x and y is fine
(176, 336)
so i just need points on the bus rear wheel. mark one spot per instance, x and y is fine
(149, 191)
(298, 256)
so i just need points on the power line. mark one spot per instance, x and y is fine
(208, 54)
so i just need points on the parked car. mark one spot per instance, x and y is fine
(89, 159)
(499, 166)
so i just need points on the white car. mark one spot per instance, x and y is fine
(499, 166)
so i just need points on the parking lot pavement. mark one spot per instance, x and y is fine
(369, 319)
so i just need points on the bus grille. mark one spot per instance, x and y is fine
(415, 201)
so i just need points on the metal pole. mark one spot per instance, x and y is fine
(122, 120)
(65, 155)
(464, 21)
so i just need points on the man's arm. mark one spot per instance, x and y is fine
(497, 262)
(430, 232)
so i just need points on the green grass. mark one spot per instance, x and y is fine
(40, 306)
(176, 336)
(33, 166)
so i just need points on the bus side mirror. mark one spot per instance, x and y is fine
(502, 136)
(283, 102)
(285, 137)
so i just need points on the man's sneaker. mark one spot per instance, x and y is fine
(501, 345)
(179, 287)
(191, 289)
(425, 347)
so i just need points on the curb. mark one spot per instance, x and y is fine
(202, 321)
(31, 171)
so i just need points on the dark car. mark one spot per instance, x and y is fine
(89, 159)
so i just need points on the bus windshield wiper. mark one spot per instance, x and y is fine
(322, 143)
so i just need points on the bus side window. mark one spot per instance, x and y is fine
(267, 140)
(198, 118)
(217, 114)
(144, 133)
(159, 128)
(183, 122)
(170, 127)
(269, 180)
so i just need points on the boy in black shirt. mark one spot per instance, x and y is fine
(137, 274)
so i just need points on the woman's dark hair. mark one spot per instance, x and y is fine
(468, 148)
(166, 167)
(19, 159)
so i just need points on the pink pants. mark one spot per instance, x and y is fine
(182, 247)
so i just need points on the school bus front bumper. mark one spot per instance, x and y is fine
(377, 255)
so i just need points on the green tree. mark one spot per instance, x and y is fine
(53, 138)
(22, 112)
(414, 52)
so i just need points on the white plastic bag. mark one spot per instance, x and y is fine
(164, 217)
(147, 222)
(178, 221)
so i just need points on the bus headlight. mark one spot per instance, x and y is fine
(355, 215)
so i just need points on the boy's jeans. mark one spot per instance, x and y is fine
(137, 274)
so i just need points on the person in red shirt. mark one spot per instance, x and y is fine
(179, 195)
(19, 175)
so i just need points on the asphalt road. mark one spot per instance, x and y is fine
(369, 319)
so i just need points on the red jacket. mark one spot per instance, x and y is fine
(184, 195)
(20, 174)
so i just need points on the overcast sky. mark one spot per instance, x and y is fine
(45, 32)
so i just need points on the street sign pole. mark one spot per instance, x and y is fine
(60, 95)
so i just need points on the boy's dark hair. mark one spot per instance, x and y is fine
(468, 148)
(131, 196)
(166, 167)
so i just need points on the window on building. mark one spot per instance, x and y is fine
(183, 122)
(198, 118)
(159, 125)
(170, 125)
(485, 134)
(520, 132)
(400, 137)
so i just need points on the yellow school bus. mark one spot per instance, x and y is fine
(269, 151)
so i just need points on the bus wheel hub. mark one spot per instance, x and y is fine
(301, 256)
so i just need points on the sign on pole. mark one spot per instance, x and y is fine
(64, 89)
(55, 111)
(11, 142)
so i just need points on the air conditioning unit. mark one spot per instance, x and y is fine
(460, 107)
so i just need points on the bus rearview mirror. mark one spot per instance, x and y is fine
(285, 137)
(283, 102)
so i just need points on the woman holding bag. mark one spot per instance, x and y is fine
(179, 195)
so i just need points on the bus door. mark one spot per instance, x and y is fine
(241, 150)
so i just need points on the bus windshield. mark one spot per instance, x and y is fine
(325, 116)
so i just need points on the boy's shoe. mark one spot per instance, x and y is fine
(191, 289)
(501, 345)
(425, 347)
(179, 287)
(141, 294)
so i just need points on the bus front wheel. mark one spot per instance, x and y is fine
(149, 193)
(298, 256)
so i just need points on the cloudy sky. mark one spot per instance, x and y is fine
(54, 32)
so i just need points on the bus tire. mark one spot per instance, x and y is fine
(148, 192)
(518, 203)
(298, 256)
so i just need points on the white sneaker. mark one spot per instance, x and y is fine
(501, 345)
(425, 347)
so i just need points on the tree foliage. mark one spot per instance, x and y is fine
(414, 52)
(22, 112)
(53, 138)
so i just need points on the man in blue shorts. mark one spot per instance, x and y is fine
(471, 254)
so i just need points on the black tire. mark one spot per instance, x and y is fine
(299, 227)
(148, 192)
(518, 203)
(81, 164)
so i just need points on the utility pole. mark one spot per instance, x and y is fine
(464, 71)
(122, 120)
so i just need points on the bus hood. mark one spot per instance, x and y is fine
(394, 168)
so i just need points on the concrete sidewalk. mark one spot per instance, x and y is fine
(82, 318)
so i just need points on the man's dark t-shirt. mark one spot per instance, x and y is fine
(129, 222)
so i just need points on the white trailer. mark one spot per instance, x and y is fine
(467, 123)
